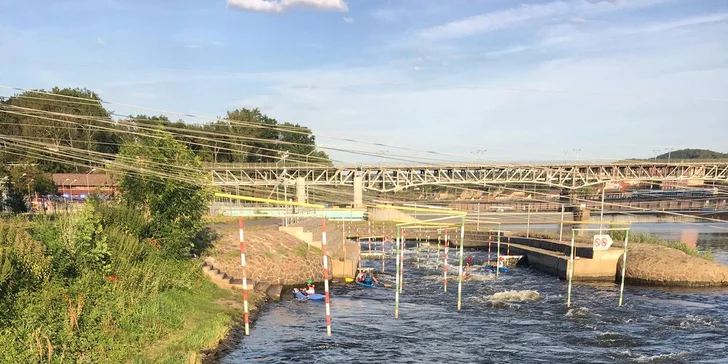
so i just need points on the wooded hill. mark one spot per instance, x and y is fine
(693, 154)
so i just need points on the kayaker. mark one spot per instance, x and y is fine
(369, 278)
(360, 277)
(310, 288)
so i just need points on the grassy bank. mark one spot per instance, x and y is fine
(89, 288)
(644, 238)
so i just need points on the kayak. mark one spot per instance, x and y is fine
(492, 269)
(368, 285)
(314, 297)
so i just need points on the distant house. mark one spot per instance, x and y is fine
(77, 184)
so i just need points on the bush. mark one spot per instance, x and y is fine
(81, 289)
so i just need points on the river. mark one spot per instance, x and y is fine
(519, 318)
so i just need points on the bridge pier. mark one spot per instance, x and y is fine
(301, 190)
(358, 192)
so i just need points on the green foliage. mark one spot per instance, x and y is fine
(44, 185)
(24, 119)
(247, 135)
(15, 200)
(78, 289)
(644, 238)
(175, 208)
(692, 154)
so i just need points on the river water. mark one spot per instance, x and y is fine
(521, 317)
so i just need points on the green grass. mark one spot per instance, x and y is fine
(644, 238)
(87, 288)
(197, 321)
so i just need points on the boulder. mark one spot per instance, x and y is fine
(274, 292)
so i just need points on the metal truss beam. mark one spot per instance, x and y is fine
(388, 179)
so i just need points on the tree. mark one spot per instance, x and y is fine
(692, 154)
(44, 185)
(48, 117)
(164, 179)
(15, 200)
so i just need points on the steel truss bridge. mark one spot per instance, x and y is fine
(395, 178)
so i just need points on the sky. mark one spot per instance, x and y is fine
(478, 80)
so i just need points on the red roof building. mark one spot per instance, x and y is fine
(76, 184)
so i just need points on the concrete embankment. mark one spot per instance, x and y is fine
(647, 264)
(552, 256)
(343, 254)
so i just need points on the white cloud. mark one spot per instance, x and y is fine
(578, 20)
(524, 14)
(418, 68)
(280, 6)
(218, 44)
(100, 41)
(348, 19)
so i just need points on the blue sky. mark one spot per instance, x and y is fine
(526, 80)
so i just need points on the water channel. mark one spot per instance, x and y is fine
(519, 318)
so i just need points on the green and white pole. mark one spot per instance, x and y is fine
(571, 269)
(460, 269)
(396, 289)
(624, 268)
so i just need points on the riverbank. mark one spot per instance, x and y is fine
(90, 287)
(275, 260)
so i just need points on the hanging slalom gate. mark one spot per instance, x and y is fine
(245, 276)
(573, 250)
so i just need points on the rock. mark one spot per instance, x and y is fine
(274, 292)
(662, 266)
(261, 286)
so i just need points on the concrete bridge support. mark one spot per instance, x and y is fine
(358, 192)
(301, 189)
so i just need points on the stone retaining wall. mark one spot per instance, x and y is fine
(272, 258)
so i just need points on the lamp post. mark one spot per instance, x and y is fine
(577, 154)
(63, 186)
(382, 153)
(480, 152)
(88, 187)
(70, 192)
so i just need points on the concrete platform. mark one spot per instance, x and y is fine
(552, 257)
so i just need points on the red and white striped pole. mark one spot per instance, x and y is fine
(444, 263)
(326, 277)
(369, 233)
(245, 277)
(490, 239)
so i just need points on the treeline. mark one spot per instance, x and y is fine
(692, 154)
(77, 118)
